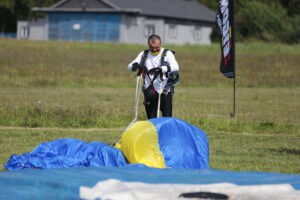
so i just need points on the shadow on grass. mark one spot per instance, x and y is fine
(286, 150)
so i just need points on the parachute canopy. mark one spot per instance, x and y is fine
(165, 142)
(160, 142)
(68, 153)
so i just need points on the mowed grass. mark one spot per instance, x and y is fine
(228, 151)
(52, 90)
(258, 109)
(67, 64)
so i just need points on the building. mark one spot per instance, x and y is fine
(125, 21)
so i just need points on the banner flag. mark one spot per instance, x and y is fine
(225, 21)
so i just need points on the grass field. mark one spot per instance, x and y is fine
(51, 90)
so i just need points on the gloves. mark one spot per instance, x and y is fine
(159, 70)
(154, 71)
(167, 89)
(136, 66)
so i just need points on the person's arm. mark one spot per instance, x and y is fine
(136, 60)
(173, 65)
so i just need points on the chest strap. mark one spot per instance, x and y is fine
(162, 63)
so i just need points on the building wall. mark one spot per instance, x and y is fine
(135, 30)
(23, 30)
(33, 30)
(112, 28)
(187, 34)
(84, 27)
(38, 30)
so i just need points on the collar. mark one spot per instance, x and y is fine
(156, 53)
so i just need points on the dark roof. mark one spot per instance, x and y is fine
(85, 4)
(172, 9)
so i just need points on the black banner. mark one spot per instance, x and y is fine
(225, 21)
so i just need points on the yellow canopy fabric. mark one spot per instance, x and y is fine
(139, 144)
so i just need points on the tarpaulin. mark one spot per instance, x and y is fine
(65, 183)
(113, 189)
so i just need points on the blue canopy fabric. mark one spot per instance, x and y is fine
(68, 153)
(182, 144)
(64, 183)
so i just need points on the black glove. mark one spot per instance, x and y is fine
(136, 66)
(154, 71)
(167, 89)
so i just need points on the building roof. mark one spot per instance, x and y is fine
(172, 9)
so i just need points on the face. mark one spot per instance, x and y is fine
(154, 46)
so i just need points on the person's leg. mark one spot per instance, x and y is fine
(151, 107)
(166, 104)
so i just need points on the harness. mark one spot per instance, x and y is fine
(173, 77)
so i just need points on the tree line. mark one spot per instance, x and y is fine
(266, 20)
(12, 11)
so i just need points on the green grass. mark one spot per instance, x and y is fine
(255, 152)
(206, 107)
(229, 151)
(66, 64)
(51, 90)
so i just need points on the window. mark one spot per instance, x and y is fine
(197, 33)
(24, 32)
(149, 29)
(172, 31)
(135, 21)
(76, 27)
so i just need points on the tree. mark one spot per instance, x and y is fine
(13, 10)
(292, 6)
(267, 20)
(258, 20)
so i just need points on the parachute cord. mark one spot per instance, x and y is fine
(137, 100)
(159, 97)
(136, 106)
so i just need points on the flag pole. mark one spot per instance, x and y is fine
(232, 115)
(233, 52)
(225, 23)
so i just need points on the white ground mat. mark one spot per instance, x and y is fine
(113, 189)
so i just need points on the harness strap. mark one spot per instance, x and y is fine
(162, 63)
(162, 59)
(144, 57)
